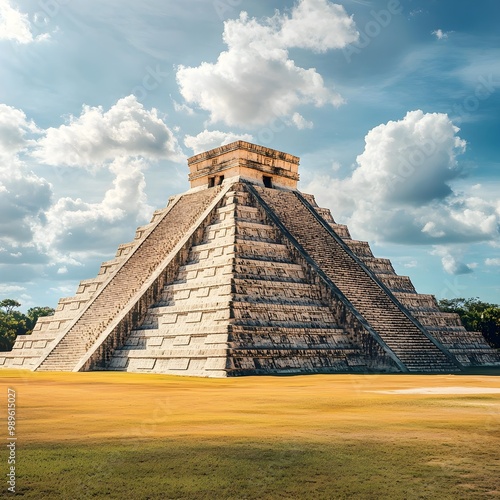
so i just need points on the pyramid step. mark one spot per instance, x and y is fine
(118, 291)
(379, 266)
(360, 248)
(237, 211)
(230, 285)
(343, 270)
(342, 230)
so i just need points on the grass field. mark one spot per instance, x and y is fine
(129, 436)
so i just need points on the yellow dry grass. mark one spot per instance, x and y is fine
(88, 406)
(454, 433)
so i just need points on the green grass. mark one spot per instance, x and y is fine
(97, 435)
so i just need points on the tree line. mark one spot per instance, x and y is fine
(476, 316)
(14, 322)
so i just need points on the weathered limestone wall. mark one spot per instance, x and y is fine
(185, 331)
(240, 279)
(291, 323)
(390, 324)
(243, 305)
(470, 348)
(245, 160)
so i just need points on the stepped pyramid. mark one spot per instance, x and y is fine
(245, 275)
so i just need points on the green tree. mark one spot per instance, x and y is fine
(14, 323)
(9, 305)
(37, 312)
(476, 316)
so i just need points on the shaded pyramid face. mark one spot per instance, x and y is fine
(245, 275)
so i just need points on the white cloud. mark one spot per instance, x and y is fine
(14, 127)
(317, 25)
(412, 264)
(492, 262)
(75, 229)
(411, 160)
(183, 108)
(336, 166)
(23, 199)
(401, 190)
(255, 81)
(212, 139)
(416, 12)
(98, 136)
(35, 228)
(24, 195)
(300, 122)
(6, 289)
(440, 34)
(451, 264)
(15, 26)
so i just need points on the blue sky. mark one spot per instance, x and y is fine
(392, 105)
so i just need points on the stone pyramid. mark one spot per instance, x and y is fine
(245, 275)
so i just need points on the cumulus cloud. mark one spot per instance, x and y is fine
(300, 122)
(255, 81)
(23, 195)
(74, 229)
(99, 136)
(317, 25)
(451, 264)
(492, 262)
(14, 131)
(15, 26)
(212, 139)
(23, 198)
(35, 227)
(401, 190)
(411, 160)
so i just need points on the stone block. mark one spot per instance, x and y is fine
(168, 319)
(220, 338)
(118, 362)
(141, 364)
(181, 340)
(241, 296)
(215, 364)
(155, 341)
(194, 317)
(178, 364)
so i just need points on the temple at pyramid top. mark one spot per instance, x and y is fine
(245, 275)
(244, 160)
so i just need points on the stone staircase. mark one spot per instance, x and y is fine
(469, 348)
(408, 342)
(185, 331)
(115, 296)
(234, 279)
(240, 306)
(279, 322)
